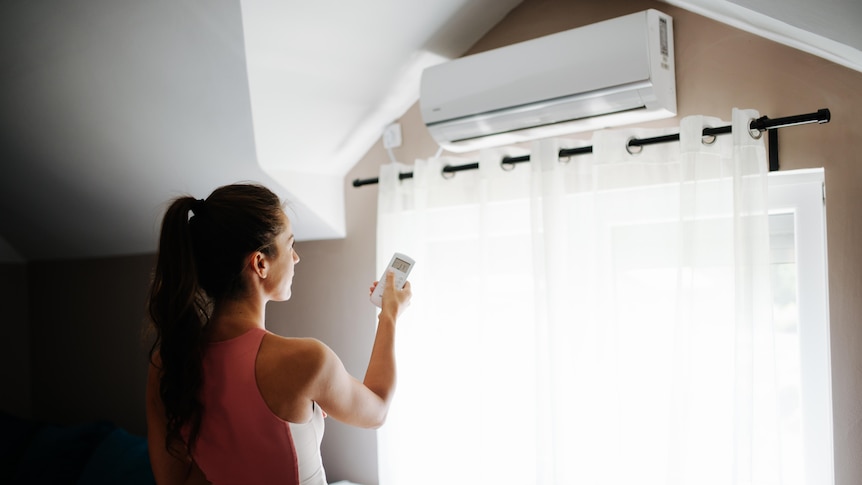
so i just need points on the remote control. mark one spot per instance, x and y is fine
(401, 265)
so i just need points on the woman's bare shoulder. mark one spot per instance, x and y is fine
(288, 370)
(296, 347)
(306, 355)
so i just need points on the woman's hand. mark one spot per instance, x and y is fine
(394, 301)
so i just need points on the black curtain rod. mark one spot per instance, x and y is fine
(761, 124)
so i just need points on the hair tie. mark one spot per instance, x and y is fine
(198, 206)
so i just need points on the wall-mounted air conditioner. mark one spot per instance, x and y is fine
(611, 73)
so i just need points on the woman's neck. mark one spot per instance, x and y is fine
(233, 318)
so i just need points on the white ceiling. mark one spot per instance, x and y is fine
(825, 28)
(110, 108)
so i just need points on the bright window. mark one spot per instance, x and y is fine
(488, 396)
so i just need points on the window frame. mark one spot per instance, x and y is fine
(802, 193)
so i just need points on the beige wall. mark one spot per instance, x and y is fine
(88, 357)
(85, 316)
(15, 341)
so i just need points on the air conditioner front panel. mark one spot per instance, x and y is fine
(554, 66)
(620, 71)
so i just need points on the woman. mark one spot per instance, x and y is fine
(227, 401)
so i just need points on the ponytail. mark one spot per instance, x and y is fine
(179, 311)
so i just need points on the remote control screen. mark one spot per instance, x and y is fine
(401, 265)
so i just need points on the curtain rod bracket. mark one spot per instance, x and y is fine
(772, 136)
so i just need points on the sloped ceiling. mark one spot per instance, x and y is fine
(110, 108)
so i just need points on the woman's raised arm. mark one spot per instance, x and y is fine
(366, 403)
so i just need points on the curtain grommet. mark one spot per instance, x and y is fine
(633, 149)
(506, 165)
(754, 132)
(447, 175)
(708, 139)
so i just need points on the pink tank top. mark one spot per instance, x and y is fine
(241, 441)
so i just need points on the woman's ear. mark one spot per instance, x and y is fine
(259, 264)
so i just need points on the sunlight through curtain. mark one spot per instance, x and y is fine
(601, 320)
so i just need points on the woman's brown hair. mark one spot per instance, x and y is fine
(202, 250)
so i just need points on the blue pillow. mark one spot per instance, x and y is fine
(120, 458)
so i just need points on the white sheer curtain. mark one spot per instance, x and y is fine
(606, 320)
